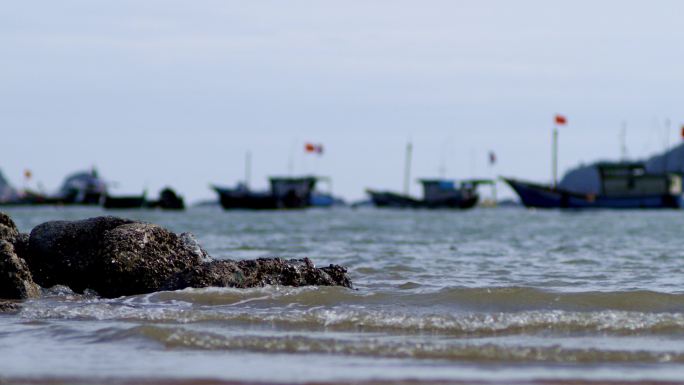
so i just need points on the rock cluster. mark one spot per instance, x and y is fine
(117, 257)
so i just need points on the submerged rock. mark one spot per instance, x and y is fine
(16, 281)
(261, 272)
(117, 257)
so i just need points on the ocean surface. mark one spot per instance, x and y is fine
(504, 295)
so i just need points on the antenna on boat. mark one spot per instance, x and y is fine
(248, 168)
(442, 162)
(554, 156)
(407, 167)
(667, 145)
(623, 141)
(290, 163)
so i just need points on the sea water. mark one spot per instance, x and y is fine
(486, 295)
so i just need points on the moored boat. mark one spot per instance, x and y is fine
(437, 193)
(285, 193)
(83, 188)
(168, 200)
(619, 185)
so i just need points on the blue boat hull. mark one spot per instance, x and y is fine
(535, 195)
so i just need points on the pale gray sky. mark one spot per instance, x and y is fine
(175, 92)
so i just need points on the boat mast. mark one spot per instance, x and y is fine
(623, 142)
(407, 167)
(666, 162)
(554, 156)
(248, 168)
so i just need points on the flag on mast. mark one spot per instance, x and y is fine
(561, 120)
(312, 148)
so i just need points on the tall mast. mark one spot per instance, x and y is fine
(667, 145)
(623, 142)
(407, 167)
(554, 156)
(248, 168)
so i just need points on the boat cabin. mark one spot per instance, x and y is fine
(292, 192)
(631, 179)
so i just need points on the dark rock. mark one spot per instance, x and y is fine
(15, 278)
(117, 257)
(68, 252)
(141, 258)
(8, 230)
(261, 272)
(112, 256)
(338, 274)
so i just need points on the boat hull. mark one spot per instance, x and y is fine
(232, 199)
(394, 200)
(126, 202)
(390, 199)
(540, 196)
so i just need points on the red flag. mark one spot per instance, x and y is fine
(682, 132)
(313, 148)
(561, 120)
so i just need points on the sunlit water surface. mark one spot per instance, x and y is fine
(483, 295)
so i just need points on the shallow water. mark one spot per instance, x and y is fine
(493, 295)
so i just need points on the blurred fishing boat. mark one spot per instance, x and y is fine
(437, 193)
(652, 184)
(285, 193)
(619, 185)
(84, 188)
(168, 200)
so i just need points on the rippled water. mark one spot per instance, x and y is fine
(494, 295)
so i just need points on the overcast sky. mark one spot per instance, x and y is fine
(176, 92)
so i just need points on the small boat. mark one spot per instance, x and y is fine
(124, 202)
(168, 200)
(437, 193)
(83, 188)
(610, 185)
(285, 193)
